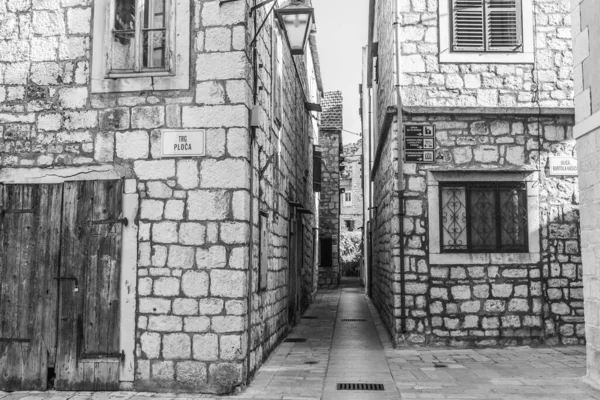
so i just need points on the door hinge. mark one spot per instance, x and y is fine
(123, 221)
(120, 356)
(24, 211)
(19, 340)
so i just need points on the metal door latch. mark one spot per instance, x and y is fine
(69, 278)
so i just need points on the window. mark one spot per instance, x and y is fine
(317, 170)
(139, 36)
(486, 31)
(347, 199)
(349, 224)
(136, 46)
(483, 217)
(492, 25)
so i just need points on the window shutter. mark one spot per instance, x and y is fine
(277, 78)
(467, 25)
(317, 156)
(504, 25)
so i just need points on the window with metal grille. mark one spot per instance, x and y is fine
(487, 25)
(483, 217)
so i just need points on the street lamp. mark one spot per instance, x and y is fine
(297, 20)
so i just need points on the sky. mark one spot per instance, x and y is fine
(341, 34)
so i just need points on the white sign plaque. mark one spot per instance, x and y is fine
(562, 166)
(183, 142)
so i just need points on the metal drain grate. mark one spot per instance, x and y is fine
(309, 317)
(354, 319)
(295, 340)
(360, 386)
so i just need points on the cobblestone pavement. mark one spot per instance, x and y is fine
(339, 351)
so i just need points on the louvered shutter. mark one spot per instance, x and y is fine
(468, 25)
(317, 157)
(504, 25)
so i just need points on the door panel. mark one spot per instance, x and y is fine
(29, 259)
(88, 355)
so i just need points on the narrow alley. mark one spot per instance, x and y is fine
(341, 340)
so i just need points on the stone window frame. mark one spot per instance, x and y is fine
(129, 243)
(527, 56)
(436, 257)
(178, 76)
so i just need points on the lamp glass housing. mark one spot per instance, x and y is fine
(297, 20)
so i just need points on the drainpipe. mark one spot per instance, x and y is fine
(400, 166)
(251, 206)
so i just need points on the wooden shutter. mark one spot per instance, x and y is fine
(276, 76)
(468, 25)
(29, 259)
(503, 25)
(317, 157)
(88, 355)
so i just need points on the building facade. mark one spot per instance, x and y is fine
(586, 53)
(330, 142)
(158, 213)
(475, 207)
(351, 213)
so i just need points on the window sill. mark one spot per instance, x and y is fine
(483, 258)
(145, 74)
(446, 56)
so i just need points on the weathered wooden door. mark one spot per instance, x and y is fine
(29, 259)
(295, 262)
(88, 354)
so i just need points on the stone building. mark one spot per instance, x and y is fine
(330, 142)
(158, 196)
(475, 222)
(586, 55)
(351, 210)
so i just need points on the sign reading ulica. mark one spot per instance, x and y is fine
(183, 143)
(562, 165)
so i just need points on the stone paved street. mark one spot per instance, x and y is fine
(337, 351)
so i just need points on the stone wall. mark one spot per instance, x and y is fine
(427, 82)
(386, 236)
(329, 209)
(198, 217)
(493, 303)
(587, 111)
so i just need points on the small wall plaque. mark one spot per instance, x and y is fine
(562, 166)
(183, 142)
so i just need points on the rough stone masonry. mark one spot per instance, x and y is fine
(494, 121)
(201, 323)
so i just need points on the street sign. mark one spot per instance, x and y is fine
(183, 142)
(419, 143)
(562, 165)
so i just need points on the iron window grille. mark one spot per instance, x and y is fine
(483, 217)
(487, 25)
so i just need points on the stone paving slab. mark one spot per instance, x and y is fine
(515, 373)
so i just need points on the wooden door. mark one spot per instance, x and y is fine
(299, 264)
(88, 354)
(292, 255)
(29, 259)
